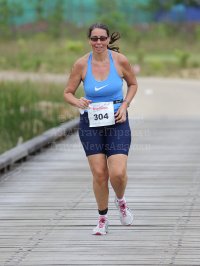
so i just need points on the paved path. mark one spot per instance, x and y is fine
(48, 210)
(166, 97)
(155, 96)
(34, 77)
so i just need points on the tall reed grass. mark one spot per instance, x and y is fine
(28, 109)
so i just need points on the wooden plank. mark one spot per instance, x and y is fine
(48, 209)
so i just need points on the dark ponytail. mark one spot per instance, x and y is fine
(113, 38)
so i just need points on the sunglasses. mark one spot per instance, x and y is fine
(102, 39)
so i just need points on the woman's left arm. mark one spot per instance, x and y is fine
(129, 77)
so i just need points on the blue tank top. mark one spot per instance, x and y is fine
(107, 90)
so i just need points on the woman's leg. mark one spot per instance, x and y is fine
(118, 179)
(98, 166)
(117, 172)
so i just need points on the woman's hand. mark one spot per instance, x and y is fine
(120, 116)
(82, 103)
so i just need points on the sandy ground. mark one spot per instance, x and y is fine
(155, 96)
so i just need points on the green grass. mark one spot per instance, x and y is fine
(28, 109)
(41, 53)
(39, 56)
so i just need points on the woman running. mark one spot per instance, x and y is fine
(104, 127)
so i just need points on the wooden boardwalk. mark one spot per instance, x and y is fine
(48, 210)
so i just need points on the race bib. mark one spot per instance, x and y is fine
(101, 114)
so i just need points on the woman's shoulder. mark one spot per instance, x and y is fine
(82, 62)
(121, 62)
(80, 66)
(120, 58)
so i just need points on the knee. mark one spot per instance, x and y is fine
(100, 175)
(118, 175)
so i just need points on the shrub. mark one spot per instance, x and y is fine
(3, 60)
(22, 60)
(136, 36)
(160, 30)
(156, 65)
(140, 54)
(37, 62)
(197, 32)
(126, 30)
(42, 37)
(195, 64)
(21, 43)
(182, 56)
(75, 46)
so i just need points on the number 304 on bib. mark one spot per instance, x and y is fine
(101, 114)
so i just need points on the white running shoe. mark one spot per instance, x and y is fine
(125, 215)
(102, 227)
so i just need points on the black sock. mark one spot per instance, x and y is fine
(104, 212)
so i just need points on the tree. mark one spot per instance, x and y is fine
(156, 5)
(8, 13)
(194, 3)
(56, 18)
(105, 7)
(108, 13)
(39, 9)
(166, 5)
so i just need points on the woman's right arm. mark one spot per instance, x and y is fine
(74, 81)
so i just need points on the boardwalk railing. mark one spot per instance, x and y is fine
(29, 147)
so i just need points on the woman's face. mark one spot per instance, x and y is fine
(99, 46)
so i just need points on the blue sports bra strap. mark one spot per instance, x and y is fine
(89, 63)
(111, 59)
(110, 53)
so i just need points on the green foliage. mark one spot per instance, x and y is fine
(28, 109)
(155, 5)
(21, 43)
(197, 32)
(194, 3)
(171, 29)
(156, 65)
(140, 54)
(165, 6)
(4, 12)
(75, 46)
(166, 30)
(39, 9)
(42, 53)
(108, 13)
(37, 62)
(135, 37)
(42, 37)
(195, 64)
(126, 30)
(160, 30)
(182, 56)
(56, 18)
(7, 13)
(22, 57)
(105, 6)
(3, 60)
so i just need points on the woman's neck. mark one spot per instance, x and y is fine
(100, 57)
